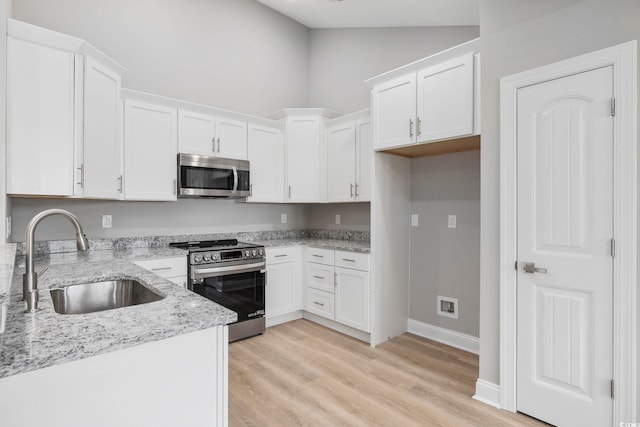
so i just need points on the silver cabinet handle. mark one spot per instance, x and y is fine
(289, 191)
(280, 256)
(530, 267)
(348, 260)
(120, 184)
(356, 189)
(161, 268)
(317, 303)
(335, 279)
(218, 144)
(81, 169)
(410, 128)
(175, 186)
(317, 256)
(318, 277)
(351, 190)
(213, 144)
(250, 190)
(418, 127)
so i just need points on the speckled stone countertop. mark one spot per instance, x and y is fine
(337, 245)
(43, 339)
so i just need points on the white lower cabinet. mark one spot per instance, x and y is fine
(173, 269)
(283, 293)
(337, 287)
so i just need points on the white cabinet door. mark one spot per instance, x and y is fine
(40, 120)
(445, 100)
(283, 291)
(196, 133)
(305, 159)
(102, 144)
(266, 158)
(394, 112)
(364, 159)
(341, 161)
(352, 298)
(151, 147)
(231, 137)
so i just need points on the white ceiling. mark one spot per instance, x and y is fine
(378, 13)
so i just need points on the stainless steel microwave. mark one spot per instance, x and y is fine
(204, 176)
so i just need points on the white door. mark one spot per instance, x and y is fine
(231, 136)
(394, 109)
(445, 100)
(196, 133)
(364, 159)
(352, 298)
(341, 162)
(102, 165)
(266, 159)
(150, 151)
(564, 309)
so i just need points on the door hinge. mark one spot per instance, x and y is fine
(613, 106)
(613, 384)
(613, 248)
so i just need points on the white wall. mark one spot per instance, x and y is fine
(353, 216)
(232, 54)
(446, 261)
(517, 36)
(341, 59)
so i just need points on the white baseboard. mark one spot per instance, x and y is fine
(488, 393)
(446, 336)
(360, 335)
(283, 318)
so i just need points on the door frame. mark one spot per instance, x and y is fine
(623, 58)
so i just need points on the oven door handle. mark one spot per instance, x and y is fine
(201, 273)
(235, 179)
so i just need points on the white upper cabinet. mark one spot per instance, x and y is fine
(40, 119)
(63, 116)
(306, 154)
(102, 146)
(349, 158)
(209, 135)
(151, 148)
(393, 105)
(266, 159)
(445, 100)
(431, 100)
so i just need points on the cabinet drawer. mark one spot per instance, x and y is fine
(280, 255)
(320, 277)
(166, 267)
(321, 256)
(354, 260)
(320, 303)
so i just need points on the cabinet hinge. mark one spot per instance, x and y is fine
(613, 384)
(613, 106)
(613, 248)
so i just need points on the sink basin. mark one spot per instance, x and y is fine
(99, 296)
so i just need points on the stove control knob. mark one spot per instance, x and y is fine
(254, 252)
(260, 252)
(206, 257)
(197, 258)
(214, 257)
(247, 253)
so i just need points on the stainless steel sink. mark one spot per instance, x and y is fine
(99, 296)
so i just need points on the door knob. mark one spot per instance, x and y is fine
(530, 267)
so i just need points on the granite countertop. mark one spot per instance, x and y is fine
(45, 338)
(333, 244)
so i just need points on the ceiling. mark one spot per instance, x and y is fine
(378, 13)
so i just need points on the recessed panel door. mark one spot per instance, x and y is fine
(565, 266)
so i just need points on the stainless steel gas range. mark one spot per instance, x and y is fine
(233, 274)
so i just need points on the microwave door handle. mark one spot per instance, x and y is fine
(235, 179)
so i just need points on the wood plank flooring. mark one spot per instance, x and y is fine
(303, 374)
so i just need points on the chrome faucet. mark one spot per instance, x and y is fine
(30, 278)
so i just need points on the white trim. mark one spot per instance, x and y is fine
(283, 318)
(623, 58)
(445, 336)
(354, 333)
(488, 393)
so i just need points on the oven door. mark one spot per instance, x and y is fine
(238, 287)
(201, 176)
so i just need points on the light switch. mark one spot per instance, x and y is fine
(283, 218)
(106, 221)
(452, 221)
(338, 219)
(414, 220)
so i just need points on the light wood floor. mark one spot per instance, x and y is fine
(302, 374)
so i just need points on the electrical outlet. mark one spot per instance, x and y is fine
(448, 307)
(337, 219)
(106, 221)
(452, 221)
(283, 218)
(414, 220)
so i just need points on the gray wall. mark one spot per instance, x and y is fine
(232, 54)
(353, 216)
(341, 59)
(518, 36)
(446, 261)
